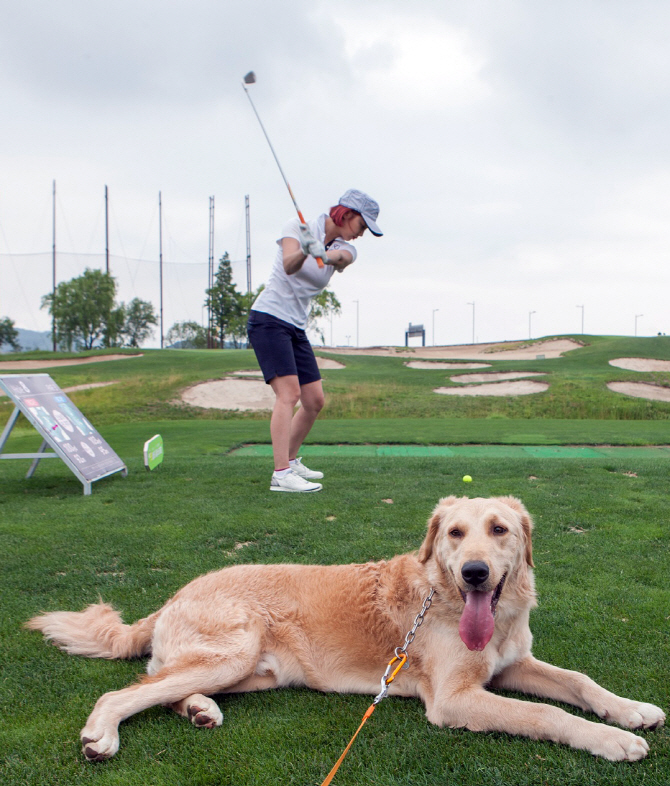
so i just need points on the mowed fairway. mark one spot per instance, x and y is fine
(601, 549)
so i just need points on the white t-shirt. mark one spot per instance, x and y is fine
(288, 297)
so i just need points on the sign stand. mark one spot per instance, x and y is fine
(61, 426)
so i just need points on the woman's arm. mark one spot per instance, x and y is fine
(294, 258)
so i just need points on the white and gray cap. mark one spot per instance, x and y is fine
(365, 205)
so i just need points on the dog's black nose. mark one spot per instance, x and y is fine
(475, 573)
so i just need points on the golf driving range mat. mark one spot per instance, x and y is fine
(472, 451)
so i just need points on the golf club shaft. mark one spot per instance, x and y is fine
(319, 261)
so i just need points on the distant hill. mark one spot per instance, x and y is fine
(31, 339)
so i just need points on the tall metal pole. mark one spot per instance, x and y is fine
(106, 231)
(210, 285)
(53, 266)
(246, 210)
(473, 320)
(160, 260)
(356, 302)
(434, 310)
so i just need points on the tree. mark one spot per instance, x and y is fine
(82, 308)
(189, 335)
(9, 334)
(224, 301)
(139, 315)
(323, 305)
(113, 329)
(238, 325)
(85, 312)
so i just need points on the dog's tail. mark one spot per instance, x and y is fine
(96, 632)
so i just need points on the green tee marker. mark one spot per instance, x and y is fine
(153, 452)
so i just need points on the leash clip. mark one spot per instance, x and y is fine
(388, 677)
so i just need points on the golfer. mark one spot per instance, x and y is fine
(278, 319)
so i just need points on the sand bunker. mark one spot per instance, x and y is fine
(521, 388)
(323, 363)
(18, 365)
(641, 390)
(75, 388)
(434, 364)
(238, 394)
(495, 376)
(641, 364)
(504, 350)
(328, 363)
(241, 391)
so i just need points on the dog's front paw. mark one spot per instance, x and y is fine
(98, 746)
(619, 745)
(203, 712)
(643, 716)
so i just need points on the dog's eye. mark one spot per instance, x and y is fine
(499, 529)
(455, 533)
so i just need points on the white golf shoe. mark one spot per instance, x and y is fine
(305, 472)
(292, 482)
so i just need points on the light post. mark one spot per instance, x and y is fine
(356, 302)
(637, 316)
(582, 308)
(473, 320)
(530, 314)
(434, 310)
(348, 341)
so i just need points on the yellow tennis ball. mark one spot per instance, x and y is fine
(467, 479)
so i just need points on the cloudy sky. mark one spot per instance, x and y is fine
(518, 149)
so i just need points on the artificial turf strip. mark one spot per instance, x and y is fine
(601, 548)
(467, 451)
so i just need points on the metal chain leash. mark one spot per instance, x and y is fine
(401, 652)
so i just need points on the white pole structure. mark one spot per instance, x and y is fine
(434, 310)
(160, 261)
(246, 211)
(210, 275)
(53, 270)
(582, 308)
(356, 302)
(530, 314)
(636, 318)
(473, 320)
(106, 231)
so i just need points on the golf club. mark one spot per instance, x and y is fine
(250, 79)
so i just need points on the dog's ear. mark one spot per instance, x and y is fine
(433, 528)
(427, 546)
(526, 525)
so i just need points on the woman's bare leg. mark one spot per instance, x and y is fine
(287, 393)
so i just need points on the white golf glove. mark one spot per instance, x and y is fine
(309, 245)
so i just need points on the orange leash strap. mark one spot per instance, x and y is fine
(386, 681)
(331, 774)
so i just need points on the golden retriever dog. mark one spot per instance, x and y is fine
(335, 628)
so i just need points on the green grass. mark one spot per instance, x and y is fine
(601, 550)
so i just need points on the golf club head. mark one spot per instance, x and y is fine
(250, 78)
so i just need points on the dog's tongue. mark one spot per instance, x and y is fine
(477, 623)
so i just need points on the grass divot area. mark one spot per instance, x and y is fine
(481, 451)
